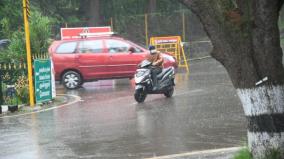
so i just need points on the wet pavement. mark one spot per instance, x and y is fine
(204, 113)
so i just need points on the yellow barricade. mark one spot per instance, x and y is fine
(172, 45)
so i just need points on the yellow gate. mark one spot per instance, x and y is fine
(172, 45)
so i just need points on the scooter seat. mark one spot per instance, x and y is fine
(166, 70)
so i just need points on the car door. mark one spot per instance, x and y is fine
(92, 59)
(63, 56)
(121, 62)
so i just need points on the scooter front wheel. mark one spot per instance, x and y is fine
(169, 92)
(140, 95)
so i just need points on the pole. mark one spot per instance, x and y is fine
(1, 93)
(146, 29)
(111, 24)
(29, 59)
(183, 26)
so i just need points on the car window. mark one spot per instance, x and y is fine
(66, 48)
(116, 46)
(91, 46)
(137, 50)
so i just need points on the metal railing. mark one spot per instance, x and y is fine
(14, 75)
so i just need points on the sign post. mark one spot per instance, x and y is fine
(1, 94)
(43, 87)
(26, 12)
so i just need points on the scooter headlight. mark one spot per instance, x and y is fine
(140, 73)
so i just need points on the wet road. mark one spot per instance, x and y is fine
(204, 113)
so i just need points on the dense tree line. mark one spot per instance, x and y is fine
(87, 12)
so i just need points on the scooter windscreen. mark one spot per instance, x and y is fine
(145, 63)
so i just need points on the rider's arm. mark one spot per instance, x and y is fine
(159, 61)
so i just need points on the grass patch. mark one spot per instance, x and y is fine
(243, 154)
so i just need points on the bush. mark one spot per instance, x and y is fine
(22, 90)
(40, 33)
(17, 50)
(6, 27)
(40, 28)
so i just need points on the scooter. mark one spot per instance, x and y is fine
(144, 82)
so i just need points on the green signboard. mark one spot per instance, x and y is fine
(42, 79)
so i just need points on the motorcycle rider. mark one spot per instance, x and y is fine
(155, 57)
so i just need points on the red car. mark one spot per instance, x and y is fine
(103, 57)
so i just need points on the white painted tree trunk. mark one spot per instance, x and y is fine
(264, 109)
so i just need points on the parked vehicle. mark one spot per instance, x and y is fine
(144, 82)
(94, 58)
(4, 43)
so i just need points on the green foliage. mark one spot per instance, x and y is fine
(22, 90)
(6, 27)
(16, 51)
(243, 154)
(39, 32)
(60, 10)
(16, 77)
(11, 12)
(11, 100)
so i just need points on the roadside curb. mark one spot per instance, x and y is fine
(71, 100)
(204, 154)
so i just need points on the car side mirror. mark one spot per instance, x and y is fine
(131, 50)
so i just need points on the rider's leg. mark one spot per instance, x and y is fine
(155, 73)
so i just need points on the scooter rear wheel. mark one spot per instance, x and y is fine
(169, 93)
(140, 95)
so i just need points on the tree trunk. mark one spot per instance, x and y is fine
(152, 5)
(245, 37)
(94, 13)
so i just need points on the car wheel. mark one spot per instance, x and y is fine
(169, 93)
(72, 80)
(140, 95)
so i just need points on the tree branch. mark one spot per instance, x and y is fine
(212, 15)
